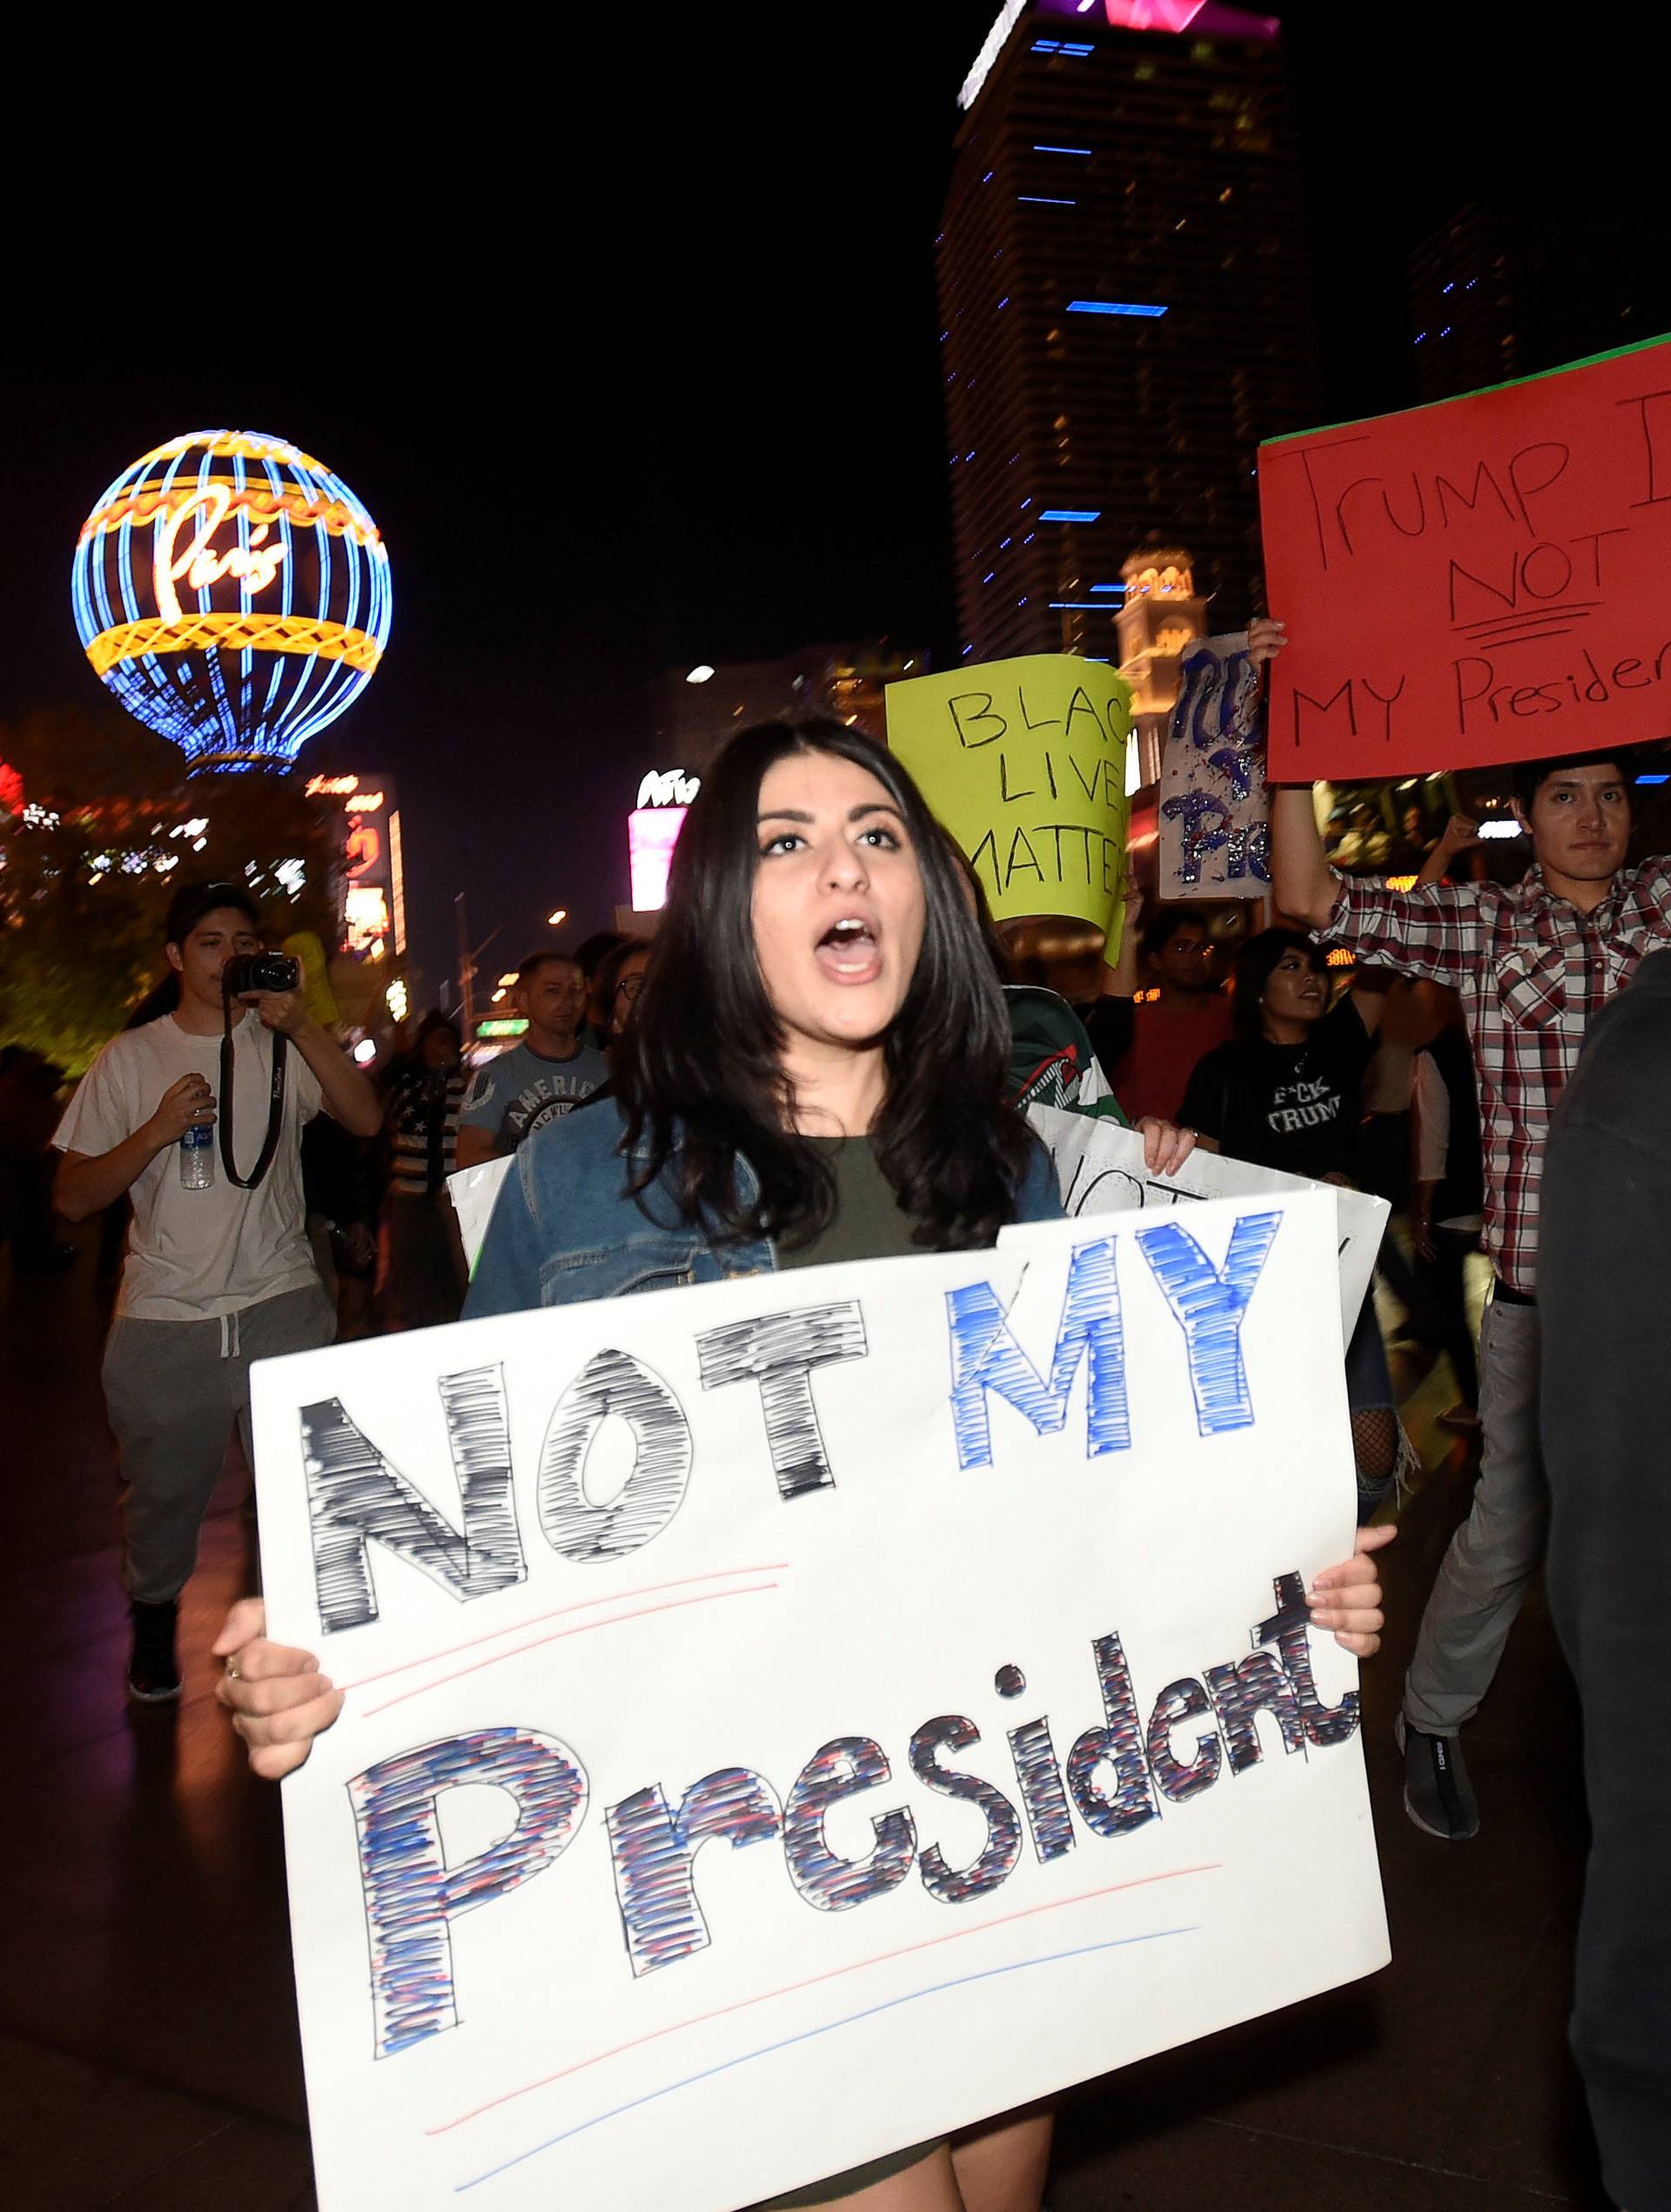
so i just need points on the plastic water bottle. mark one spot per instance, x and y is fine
(197, 1158)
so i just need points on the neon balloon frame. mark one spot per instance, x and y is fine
(233, 595)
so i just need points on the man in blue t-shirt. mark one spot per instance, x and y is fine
(547, 1072)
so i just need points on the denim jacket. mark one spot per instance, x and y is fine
(565, 1228)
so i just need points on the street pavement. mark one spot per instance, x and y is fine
(149, 2057)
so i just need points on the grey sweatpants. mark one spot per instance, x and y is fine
(1499, 1548)
(174, 1389)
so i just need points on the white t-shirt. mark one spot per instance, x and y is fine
(193, 1255)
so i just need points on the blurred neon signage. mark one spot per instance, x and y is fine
(397, 882)
(370, 871)
(653, 828)
(668, 787)
(365, 921)
(652, 833)
(1206, 18)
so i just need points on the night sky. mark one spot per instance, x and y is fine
(628, 340)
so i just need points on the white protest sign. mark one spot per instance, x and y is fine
(1099, 1169)
(788, 1718)
(1215, 829)
(475, 1192)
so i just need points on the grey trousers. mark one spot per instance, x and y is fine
(173, 1389)
(1498, 1550)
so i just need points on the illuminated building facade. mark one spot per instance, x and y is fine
(1497, 292)
(233, 595)
(696, 710)
(1123, 310)
(1161, 615)
(1463, 319)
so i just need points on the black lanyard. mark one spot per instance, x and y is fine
(275, 1107)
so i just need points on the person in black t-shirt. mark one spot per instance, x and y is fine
(1283, 1093)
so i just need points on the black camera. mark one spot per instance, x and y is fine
(259, 972)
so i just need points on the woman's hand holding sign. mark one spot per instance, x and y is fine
(1165, 1147)
(279, 1701)
(277, 1698)
(1347, 1598)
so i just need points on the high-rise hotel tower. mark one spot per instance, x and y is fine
(1123, 309)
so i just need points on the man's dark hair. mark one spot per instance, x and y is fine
(702, 1089)
(432, 1023)
(596, 949)
(1164, 924)
(535, 961)
(192, 901)
(1254, 964)
(1528, 777)
(608, 969)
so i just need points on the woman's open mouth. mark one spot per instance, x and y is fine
(847, 952)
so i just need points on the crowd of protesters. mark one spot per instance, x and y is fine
(820, 1059)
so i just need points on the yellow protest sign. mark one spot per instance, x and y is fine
(1023, 761)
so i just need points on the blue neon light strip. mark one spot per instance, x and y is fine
(1072, 514)
(1119, 587)
(287, 580)
(1653, 779)
(1111, 307)
(1040, 199)
(1082, 606)
(1083, 150)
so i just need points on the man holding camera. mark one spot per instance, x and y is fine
(220, 1272)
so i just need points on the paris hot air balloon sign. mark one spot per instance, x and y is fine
(233, 594)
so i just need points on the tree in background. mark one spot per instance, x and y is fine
(92, 846)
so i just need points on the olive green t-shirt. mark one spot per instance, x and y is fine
(870, 1221)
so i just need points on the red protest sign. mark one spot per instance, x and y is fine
(1482, 580)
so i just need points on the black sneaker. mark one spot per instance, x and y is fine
(1437, 1793)
(153, 1673)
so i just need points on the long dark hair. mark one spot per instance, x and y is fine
(702, 1085)
(1254, 964)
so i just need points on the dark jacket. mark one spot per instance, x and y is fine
(1607, 1413)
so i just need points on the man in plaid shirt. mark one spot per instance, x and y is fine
(1533, 963)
